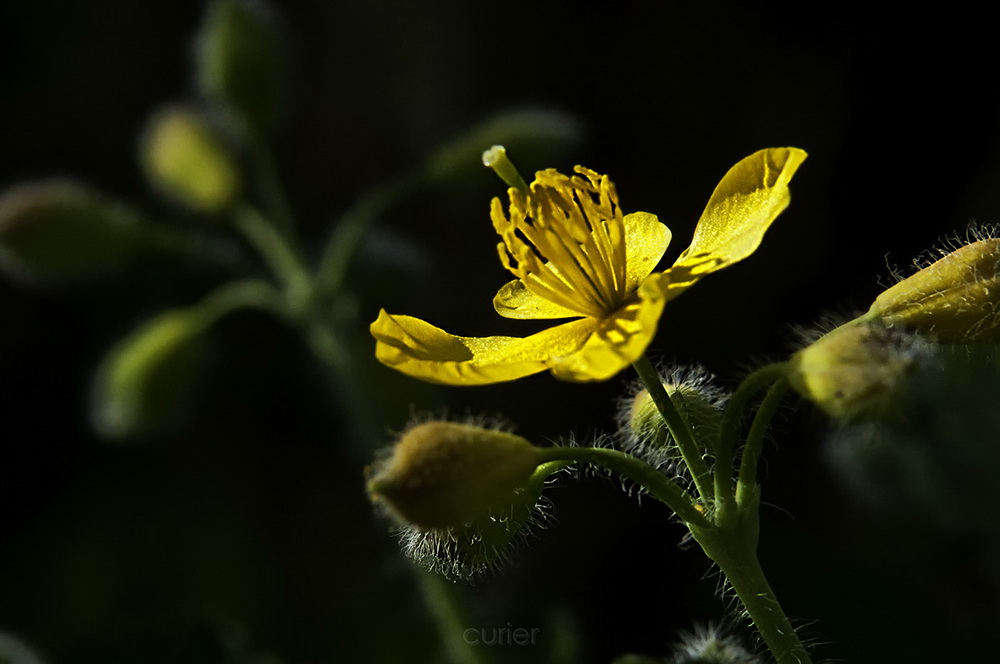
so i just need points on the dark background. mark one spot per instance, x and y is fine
(246, 530)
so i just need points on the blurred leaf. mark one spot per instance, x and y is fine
(146, 381)
(60, 230)
(186, 158)
(241, 62)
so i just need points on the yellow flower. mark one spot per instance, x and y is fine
(576, 255)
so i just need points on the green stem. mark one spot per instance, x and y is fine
(746, 485)
(724, 494)
(734, 550)
(277, 250)
(679, 430)
(637, 470)
(443, 603)
(269, 190)
(346, 237)
(237, 295)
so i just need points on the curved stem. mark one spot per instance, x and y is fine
(268, 183)
(679, 429)
(346, 237)
(444, 605)
(724, 495)
(734, 550)
(637, 470)
(746, 484)
(277, 250)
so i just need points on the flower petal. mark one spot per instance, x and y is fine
(514, 300)
(618, 340)
(646, 240)
(423, 351)
(745, 203)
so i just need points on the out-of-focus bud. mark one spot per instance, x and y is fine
(241, 62)
(955, 300)
(853, 371)
(698, 400)
(932, 464)
(443, 474)
(62, 231)
(187, 159)
(147, 379)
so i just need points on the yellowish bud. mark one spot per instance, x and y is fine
(447, 474)
(187, 160)
(955, 300)
(854, 370)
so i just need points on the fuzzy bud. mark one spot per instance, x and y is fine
(853, 371)
(696, 398)
(447, 474)
(955, 300)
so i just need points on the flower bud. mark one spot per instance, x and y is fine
(61, 231)
(472, 549)
(463, 494)
(955, 300)
(854, 370)
(148, 378)
(447, 474)
(188, 160)
(710, 644)
(241, 62)
(696, 398)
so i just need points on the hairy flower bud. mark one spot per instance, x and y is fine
(854, 370)
(954, 300)
(696, 398)
(462, 494)
(444, 474)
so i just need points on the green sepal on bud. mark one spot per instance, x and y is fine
(955, 300)
(854, 371)
(61, 231)
(241, 62)
(187, 159)
(145, 381)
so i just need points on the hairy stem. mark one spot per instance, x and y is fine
(637, 470)
(679, 429)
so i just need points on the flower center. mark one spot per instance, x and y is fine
(565, 240)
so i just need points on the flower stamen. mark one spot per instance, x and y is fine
(565, 240)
